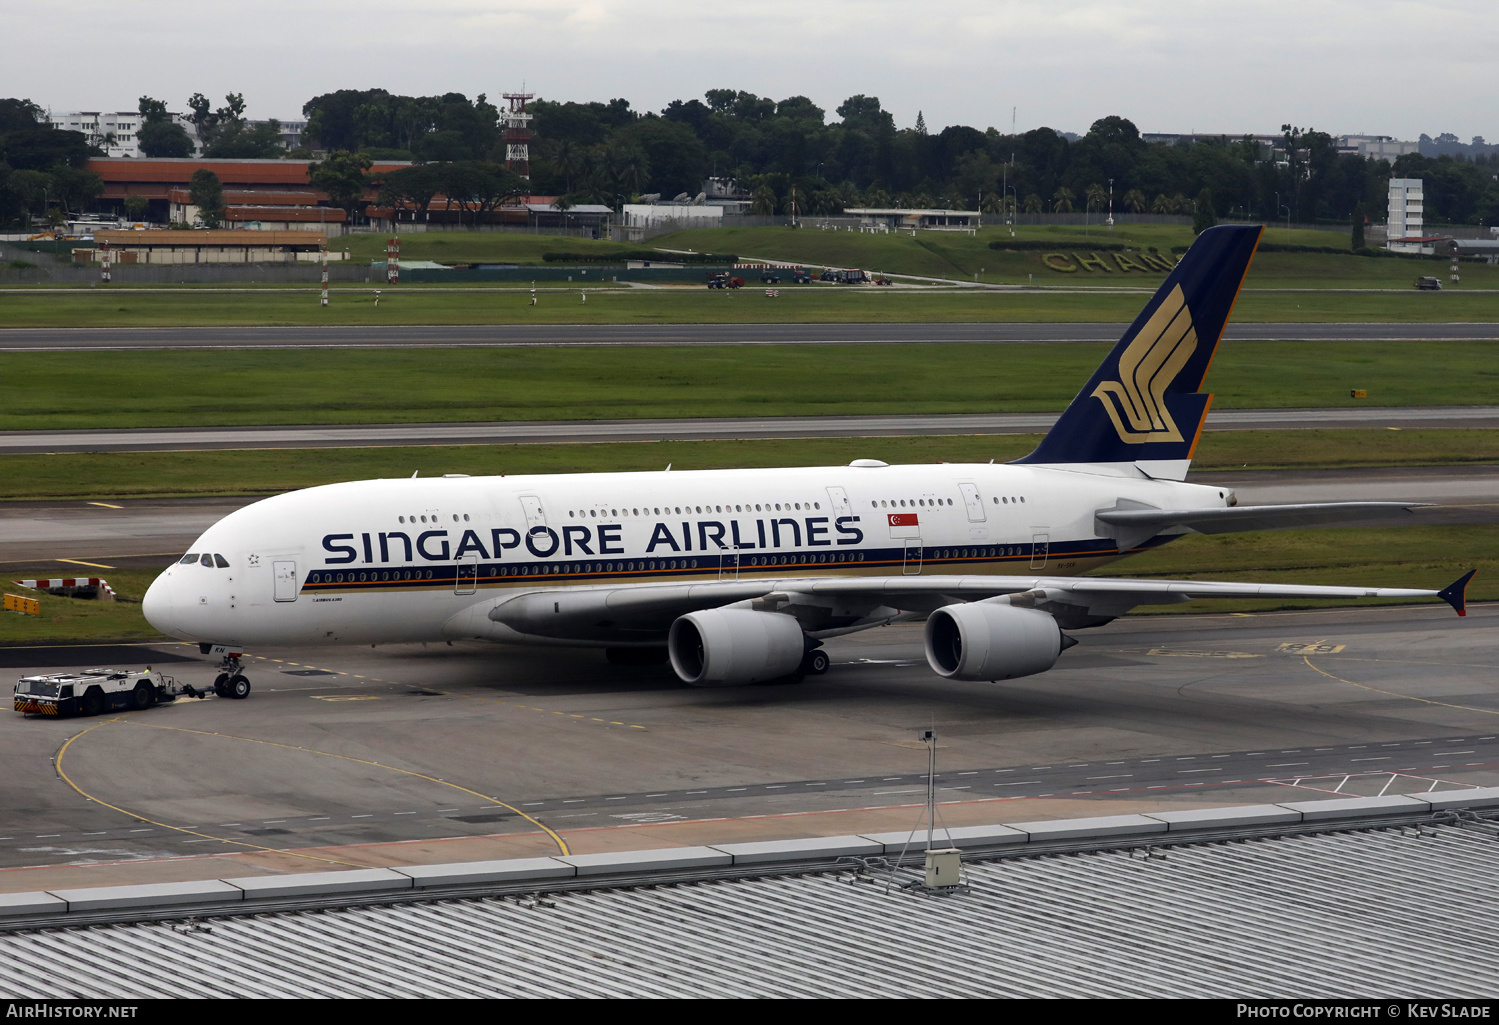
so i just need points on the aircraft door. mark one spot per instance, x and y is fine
(1040, 548)
(912, 565)
(972, 502)
(286, 580)
(467, 580)
(838, 500)
(535, 514)
(728, 565)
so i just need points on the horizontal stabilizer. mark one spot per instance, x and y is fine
(1130, 523)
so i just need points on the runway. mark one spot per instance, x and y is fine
(517, 335)
(361, 756)
(177, 439)
(80, 537)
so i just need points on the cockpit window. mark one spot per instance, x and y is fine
(206, 559)
(189, 557)
(220, 561)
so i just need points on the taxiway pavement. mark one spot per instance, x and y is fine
(353, 756)
(171, 439)
(489, 335)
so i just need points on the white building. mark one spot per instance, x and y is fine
(117, 133)
(1406, 219)
(114, 132)
(1378, 147)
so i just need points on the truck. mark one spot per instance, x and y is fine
(93, 691)
(724, 281)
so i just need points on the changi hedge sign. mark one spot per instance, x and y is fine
(1071, 263)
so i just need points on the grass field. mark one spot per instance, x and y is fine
(957, 255)
(106, 476)
(87, 389)
(478, 247)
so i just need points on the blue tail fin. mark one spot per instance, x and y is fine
(1143, 404)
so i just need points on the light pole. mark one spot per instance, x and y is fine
(1111, 204)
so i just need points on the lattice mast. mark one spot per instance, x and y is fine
(518, 134)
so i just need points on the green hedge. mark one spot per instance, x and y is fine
(1062, 247)
(654, 255)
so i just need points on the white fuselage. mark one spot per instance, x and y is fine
(384, 561)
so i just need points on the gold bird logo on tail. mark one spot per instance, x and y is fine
(1137, 401)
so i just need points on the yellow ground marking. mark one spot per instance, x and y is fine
(1390, 693)
(179, 829)
(561, 844)
(107, 505)
(346, 697)
(1310, 648)
(80, 562)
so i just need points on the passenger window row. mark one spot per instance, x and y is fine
(682, 510)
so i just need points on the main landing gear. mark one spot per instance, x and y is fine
(231, 683)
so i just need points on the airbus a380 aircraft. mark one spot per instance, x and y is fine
(738, 575)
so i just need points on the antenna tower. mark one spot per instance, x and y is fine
(518, 134)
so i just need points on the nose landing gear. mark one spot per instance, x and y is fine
(231, 683)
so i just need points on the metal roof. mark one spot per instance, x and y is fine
(1407, 911)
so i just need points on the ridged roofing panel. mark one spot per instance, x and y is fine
(1402, 912)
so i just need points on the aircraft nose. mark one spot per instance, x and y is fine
(159, 604)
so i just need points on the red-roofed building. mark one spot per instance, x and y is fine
(254, 190)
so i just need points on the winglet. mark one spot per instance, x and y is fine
(1456, 593)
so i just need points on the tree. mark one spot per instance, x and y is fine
(1134, 201)
(920, 124)
(1203, 215)
(153, 111)
(206, 192)
(1358, 227)
(415, 185)
(763, 201)
(1097, 196)
(240, 140)
(1032, 204)
(1061, 200)
(135, 205)
(344, 176)
(75, 187)
(164, 139)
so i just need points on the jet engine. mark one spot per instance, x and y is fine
(728, 647)
(986, 641)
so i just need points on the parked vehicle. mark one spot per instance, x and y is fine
(801, 277)
(1429, 284)
(724, 281)
(769, 278)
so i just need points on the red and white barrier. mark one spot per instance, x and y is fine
(54, 584)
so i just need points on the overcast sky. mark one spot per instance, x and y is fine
(1372, 66)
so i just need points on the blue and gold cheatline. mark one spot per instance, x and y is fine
(1143, 401)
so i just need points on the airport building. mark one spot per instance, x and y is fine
(1405, 224)
(116, 132)
(273, 194)
(895, 217)
(1323, 899)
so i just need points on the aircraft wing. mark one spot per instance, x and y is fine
(1130, 523)
(827, 606)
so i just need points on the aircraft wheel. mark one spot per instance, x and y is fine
(816, 662)
(221, 685)
(238, 687)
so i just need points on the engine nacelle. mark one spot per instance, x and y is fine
(728, 647)
(986, 641)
